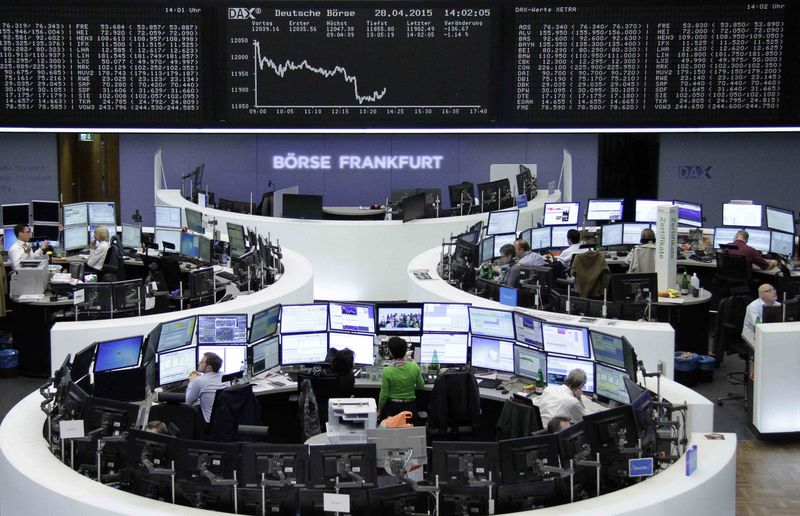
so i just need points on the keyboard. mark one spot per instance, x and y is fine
(488, 383)
(226, 275)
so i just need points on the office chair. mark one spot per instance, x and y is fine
(728, 340)
(184, 417)
(235, 407)
(591, 274)
(454, 410)
(732, 276)
(325, 387)
(114, 266)
(518, 419)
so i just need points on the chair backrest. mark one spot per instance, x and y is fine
(114, 265)
(518, 420)
(591, 274)
(454, 404)
(732, 267)
(233, 406)
(326, 386)
(730, 320)
(185, 417)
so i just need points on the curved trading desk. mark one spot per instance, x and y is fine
(358, 259)
(296, 285)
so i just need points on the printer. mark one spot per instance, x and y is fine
(350, 418)
(31, 278)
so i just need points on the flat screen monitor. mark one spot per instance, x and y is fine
(502, 222)
(399, 319)
(328, 465)
(102, 213)
(447, 348)
(610, 383)
(175, 366)
(75, 237)
(49, 232)
(233, 357)
(222, 329)
(14, 214)
(413, 207)
(168, 217)
(539, 238)
(236, 235)
(611, 235)
(304, 348)
(128, 294)
(445, 317)
(176, 334)
(529, 361)
(508, 296)
(689, 214)
(608, 348)
(362, 345)
(495, 194)
(82, 362)
(558, 368)
(528, 329)
(779, 219)
(190, 245)
(301, 206)
(76, 214)
(781, 243)
(352, 317)
(561, 213)
(452, 468)
(567, 340)
(170, 236)
(486, 252)
(632, 233)
(759, 239)
(491, 323)
(462, 192)
(741, 215)
(724, 236)
(559, 236)
(501, 240)
(492, 354)
(304, 318)
(118, 353)
(647, 209)
(266, 355)
(194, 221)
(600, 210)
(265, 323)
(131, 236)
(9, 238)
(634, 288)
(46, 211)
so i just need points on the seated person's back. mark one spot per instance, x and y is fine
(399, 381)
(204, 384)
(643, 257)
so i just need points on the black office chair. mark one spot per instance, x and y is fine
(235, 412)
(114, 265)
(728, 340)
(454, 410)
(518, 419)
(325, 387)
(732, 276)
(183, 416)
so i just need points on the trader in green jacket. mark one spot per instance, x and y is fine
(400, 378)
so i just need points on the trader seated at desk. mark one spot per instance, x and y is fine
(524, 254)
(751, 255)
(574, 240)
(643, 257)
(97, 250)
(21, 249)
(204, 383)
(508, 258)
(767, 296)
(566, 400)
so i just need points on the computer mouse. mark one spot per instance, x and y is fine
(504, 391)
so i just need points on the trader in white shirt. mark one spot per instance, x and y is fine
(767, 296)
(566, 400)
(98, 250)
(21, 249)
(574, 239)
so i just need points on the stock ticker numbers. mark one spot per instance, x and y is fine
(377, 64)
(95, 64)
(661, 64)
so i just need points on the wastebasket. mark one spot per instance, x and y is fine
(9, 363)
(686, 368)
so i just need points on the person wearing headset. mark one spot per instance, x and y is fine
(643, 257)
(21, 249)
(98, 250)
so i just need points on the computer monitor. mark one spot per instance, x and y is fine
(495, 195)
(128, 294)
(131, 236)
(530, 496)
(303, 348)
(222, 329)
(759, 239)
(234, 357)
(399, 319)
(266, 355)
(462, 192)
(445, 317)
(194, 220)
(14, 214)
(304, 318)
(362, 345)
(491, 323)
(108, 417)
(82, 362)
(558, 368)
(610, 383)
(76, 214)
(779, 219)
(397, 499)
(46, 211)
(444, 348)
(521, 459)
(102, 214)
(689, 214)
(501, 240)
(194, 458)
(118, 353)
(647, 209)
(174, 334)
(544, 275)
(413, 207)
(236, 235)
(49, 232)
(486, 250)
(302, 206)
(611, 235)
(190, 244)
(559, 236)
(264, 324)
(9, 238)
(538, 238)
(610, 429)
(502, 222)
(491, 353)
(168, 217)
(508, 296)
(460, 463)
(75, 237)
(567, 340)
(608, 348)
(528, 329)
(781, 243)
(170, 236)
(772, 314)
(345, 462)
(561, 213)
(604, 210)
(741, 215)
(284, 463)
(524, 180)
(175, 366)
(635, 288)
(466, 253)
(151, 451)
(97, 297)
(352, 317)
(529, 361)
(724, 236)
(632, 232)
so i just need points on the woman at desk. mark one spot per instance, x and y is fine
(643, 257)
(98, 250)
(398, 382)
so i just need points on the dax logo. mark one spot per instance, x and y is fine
(694, 172)
(242, 13)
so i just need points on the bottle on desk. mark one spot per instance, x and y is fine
(685, 285)
(539, 381)
(695, 283)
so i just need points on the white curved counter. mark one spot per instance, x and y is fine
(295, 285)
(361, 259)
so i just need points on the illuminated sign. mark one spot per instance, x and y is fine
(292, 161)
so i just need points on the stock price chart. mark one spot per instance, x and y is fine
(300, 65)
